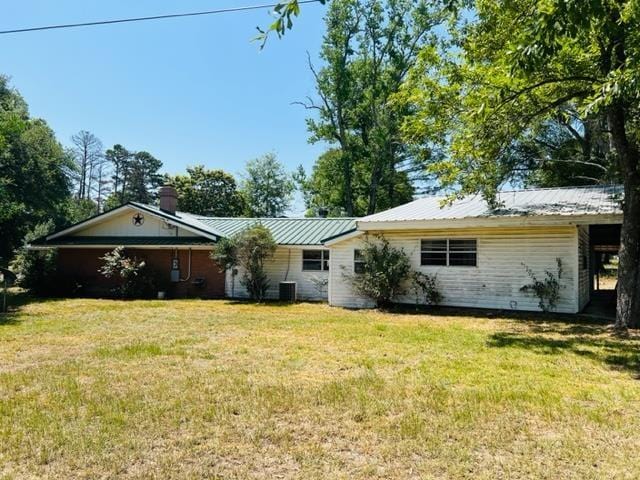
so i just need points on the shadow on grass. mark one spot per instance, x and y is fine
(552, 334)
(596, 342)
(440, 311)
(16, 299)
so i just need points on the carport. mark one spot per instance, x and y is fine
(604, 244)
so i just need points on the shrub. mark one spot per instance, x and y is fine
(384, 274)
(425, 286)
(319, 283)
(547, 290)
(248, 249)
(134, 278)
(37, 269)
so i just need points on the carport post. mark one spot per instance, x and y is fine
(4, 294)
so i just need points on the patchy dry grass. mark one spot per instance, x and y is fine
(193, 389)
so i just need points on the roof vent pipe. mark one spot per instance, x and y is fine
(168, 199)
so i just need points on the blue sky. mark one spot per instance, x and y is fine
(190, 91)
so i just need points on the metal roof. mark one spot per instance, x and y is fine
(285, 231)
(592, 200)
(124, 241)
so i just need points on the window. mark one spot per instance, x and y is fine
(433, 252)
(358, 261)
(451, 252)
(462, 253)
(315, 260)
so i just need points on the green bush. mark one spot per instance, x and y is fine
(424, 286)
(134, 278)
(248, 250)
(547, 290)
(37, 269)
(385, 272)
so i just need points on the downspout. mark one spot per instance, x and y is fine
(286, 274)
(188, 274)
(175, 255)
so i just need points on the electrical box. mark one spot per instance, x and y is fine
(175, 270)
(175, 275)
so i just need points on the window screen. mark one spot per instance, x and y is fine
(315, 260)
(451, 252)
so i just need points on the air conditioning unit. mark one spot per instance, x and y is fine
(287, 291)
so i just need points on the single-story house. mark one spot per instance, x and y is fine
(178, 246)
(479, 255)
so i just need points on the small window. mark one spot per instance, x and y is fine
(315, 260)
(449, 252)
(358, 261)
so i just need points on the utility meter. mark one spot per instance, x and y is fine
(175, 270)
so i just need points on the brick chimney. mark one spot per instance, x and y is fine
(168, 199)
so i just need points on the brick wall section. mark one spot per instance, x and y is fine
(82, 264)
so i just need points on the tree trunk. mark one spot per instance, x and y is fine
(628, 307)
(346, 182)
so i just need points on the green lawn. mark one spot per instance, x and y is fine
(193, 389)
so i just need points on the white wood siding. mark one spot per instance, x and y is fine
(496, 280)
(286, 264)
(584, 283)
(122, 226)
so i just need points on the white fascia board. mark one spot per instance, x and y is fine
(345, 237)
(122, 208)
(519, 221)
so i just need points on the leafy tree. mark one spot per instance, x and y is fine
(120, 158)
(248, 249)
(33, 172)
(37, 269)
(320, 189)
(368, 49)
(519, 65)
(267, 187)
(208, 192)
(80, 209)
(565, 151)
(135, 176)
(143, 178)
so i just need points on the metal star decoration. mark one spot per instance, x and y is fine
(138, 219)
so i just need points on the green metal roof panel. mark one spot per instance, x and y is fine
(285, 231)
(125, 241)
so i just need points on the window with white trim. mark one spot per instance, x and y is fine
(315, 260)
(449, 252)
(358, 261)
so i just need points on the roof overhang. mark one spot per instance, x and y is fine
(114, 245)
(488, 222)
(343, 237)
